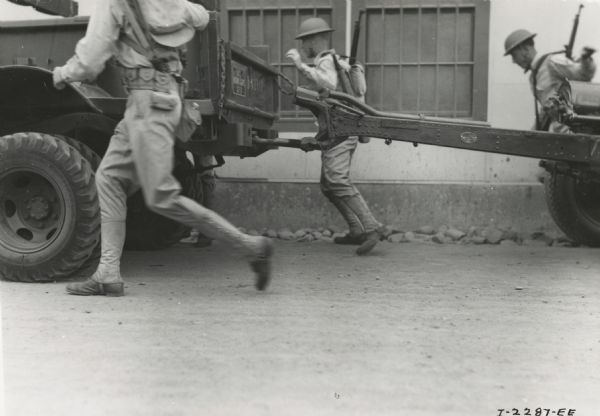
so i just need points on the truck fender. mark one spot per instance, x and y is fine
(27, 88)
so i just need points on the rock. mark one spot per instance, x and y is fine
(306, 238)
(253, 232)
(443, 229)
(492, 235)
(455, 234)
(534, 243)
(285, 234)
(426, 229)
(327, 233)
(508, 243)
(334, 229)
(271, 233)
(410, 236)
(387, 231)
(478, 240)
(396, 238)
(336, 235)
(510, 235)
(563, 243)
(317, 235)
(299, 234)
(473, 231)
(542, 236)
(440, 238)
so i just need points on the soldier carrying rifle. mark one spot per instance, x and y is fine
(336, 157)
(549, 71)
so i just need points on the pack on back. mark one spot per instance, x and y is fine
(352, 77)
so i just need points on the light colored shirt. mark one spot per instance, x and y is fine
(555, 70)
(323, 73)
(103, 40)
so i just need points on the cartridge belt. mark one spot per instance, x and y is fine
(144, 78)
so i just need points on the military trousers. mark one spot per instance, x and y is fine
(141, 155)
(339, 189)
(335, 169)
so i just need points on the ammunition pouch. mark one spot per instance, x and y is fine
(190, 120)
(162, 82)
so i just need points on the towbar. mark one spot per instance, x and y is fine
(340, 115)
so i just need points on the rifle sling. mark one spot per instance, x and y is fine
(142, 43)
(534, 74)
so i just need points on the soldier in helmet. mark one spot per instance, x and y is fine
(364, 230)
(145, 37)
(548, 72)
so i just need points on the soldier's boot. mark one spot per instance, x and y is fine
(107, 279)
(356, 234)
(259, 249)
(373, 229)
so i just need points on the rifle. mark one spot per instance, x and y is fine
(342, 75)
(569, 46)
(355, 38)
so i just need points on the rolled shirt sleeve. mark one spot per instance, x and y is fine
(97, 46)
(323, 74)
(565, 68)
(197, 15)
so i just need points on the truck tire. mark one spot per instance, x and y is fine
(575, 207)
(85, 151)
(91, 263)
(147, 230)
(50, 217)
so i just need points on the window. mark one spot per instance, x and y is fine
(422, 59)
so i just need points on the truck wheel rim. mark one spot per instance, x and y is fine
(32, 211)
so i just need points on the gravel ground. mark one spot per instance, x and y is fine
(412, 329)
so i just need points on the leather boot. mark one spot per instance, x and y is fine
(261, 264)
(350, 239)
(374, 230)
(90, 287)
(258, 249)
(356, 234)
(107, 279)
(371, 240)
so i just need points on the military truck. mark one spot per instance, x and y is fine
(52, 141)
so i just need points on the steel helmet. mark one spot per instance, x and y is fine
(313, 26)
(515, 39)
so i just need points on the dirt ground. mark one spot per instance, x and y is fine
(413, 329)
